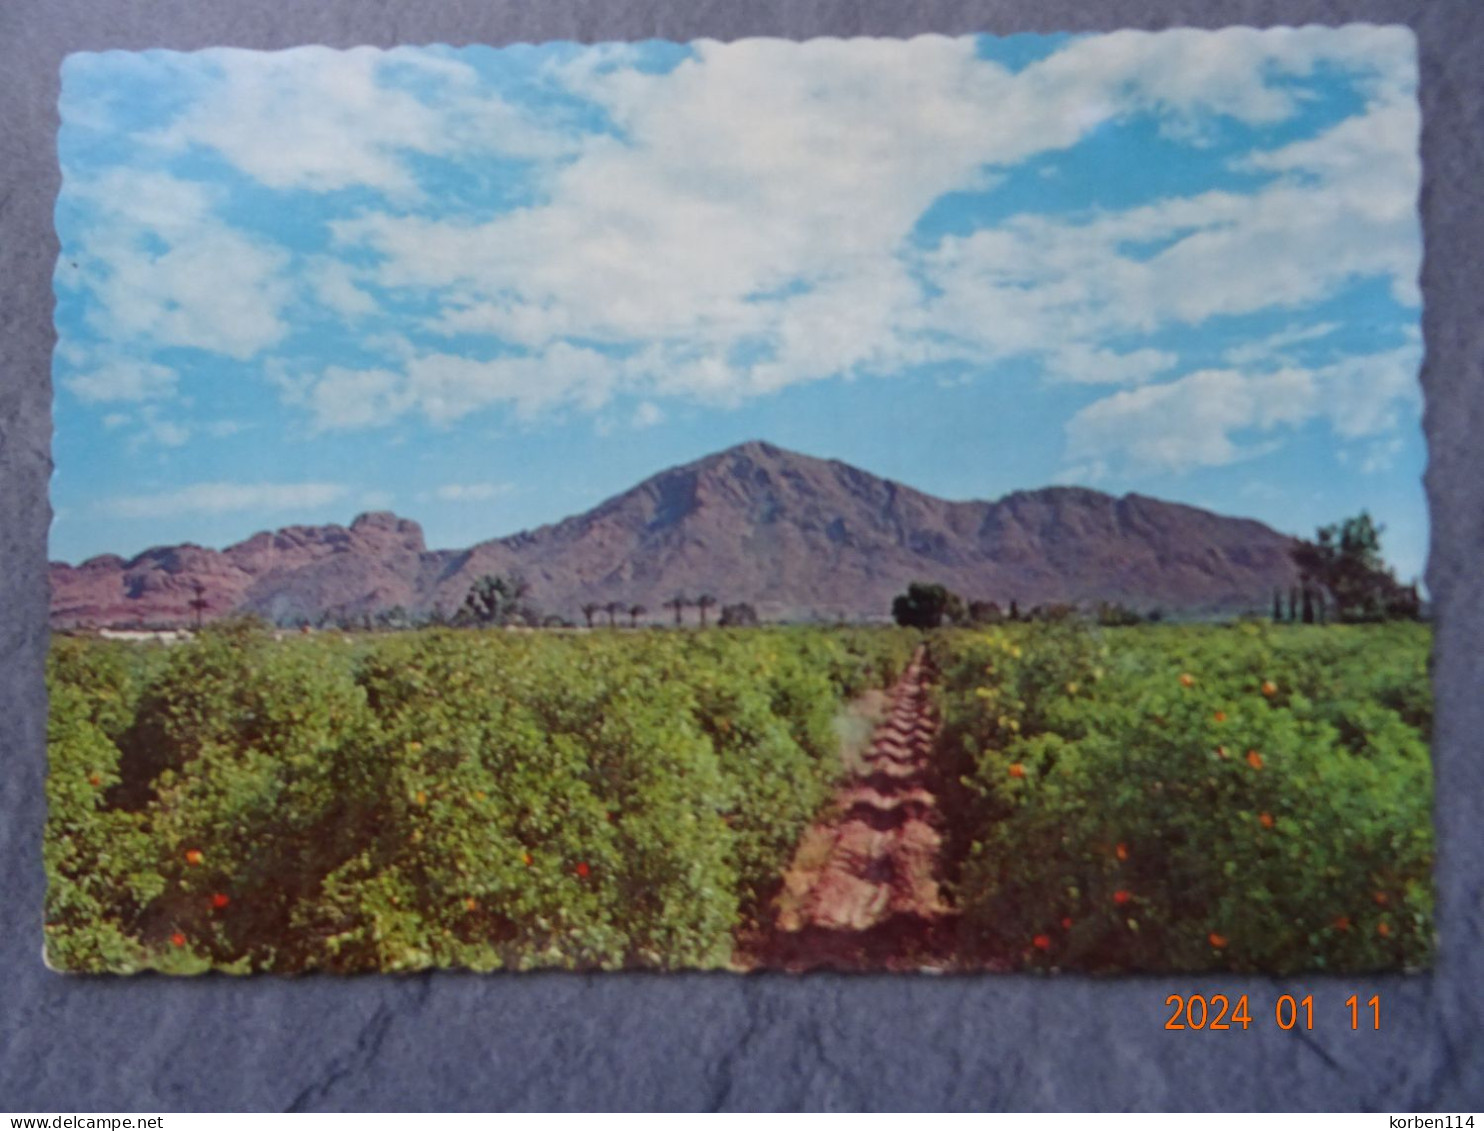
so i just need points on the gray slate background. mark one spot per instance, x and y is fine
(449, 1041)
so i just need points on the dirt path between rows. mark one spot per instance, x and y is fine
(862, 891)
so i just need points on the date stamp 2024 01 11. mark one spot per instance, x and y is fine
(1218, 1011)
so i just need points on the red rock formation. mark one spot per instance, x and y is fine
(795, 536)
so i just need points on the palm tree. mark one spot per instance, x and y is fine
(199, 603)
(678, 603)
(589, 610)
(704, 602)
(635, 612)
(613, 608)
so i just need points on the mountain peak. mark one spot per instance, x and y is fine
(796, 536)
(381, 520)
(759, 448)
(386, 527)
(756, 450)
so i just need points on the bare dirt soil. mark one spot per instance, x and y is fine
(862, 892)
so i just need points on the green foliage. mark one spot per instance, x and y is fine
(740, 615)
(479, 799)
(985, 612)
(1248, 798)
(1345, 558)
(1259, 794)
(1117, 616)
(927, 605)
(498, 601)
(97, 859)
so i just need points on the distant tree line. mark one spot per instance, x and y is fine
(503, 601)
(927, 604)
(1341, 576)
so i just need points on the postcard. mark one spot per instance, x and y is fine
(935, 504)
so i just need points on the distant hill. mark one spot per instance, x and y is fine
(797, 537)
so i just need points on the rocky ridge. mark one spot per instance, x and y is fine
(798, 537)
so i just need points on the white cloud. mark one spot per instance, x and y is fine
(445, 388)
(1184, 73)
(222, 498)
(350, 398)
(747, 224)
(1181, 424)
(647, 415)
(123, 381)
(320, 119)
(166, 433)
(165, 271)
(1297, 241)
(1086, 365)
(1369, 168)
(154, 429)
(1195, 421)
(748, 227)
(145, 200)
(334, 285)
(1261, 490)
(1276, 347)
(1381, 455)
(1367, 393)
(468, 492)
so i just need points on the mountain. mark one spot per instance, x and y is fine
(798, 537)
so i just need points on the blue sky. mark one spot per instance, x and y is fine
(488, 288)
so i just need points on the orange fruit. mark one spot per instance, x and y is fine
(1342, 923)
(1267, 820)
(582, 868)
(526, 858)
(471, 903)
(1187, 680)
(1381, 898)
(1254, 759)
(1218, 941)
(1383, 928)
(1121, 852)
(1017, 770)
(1269, 688)
(95, 779)
(1121, 897)
(177, 939)
(220, 900)
(194, 856)
(1220, 716)
(1041, 942)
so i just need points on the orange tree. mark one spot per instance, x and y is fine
(438, 797)
(1184, 798)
